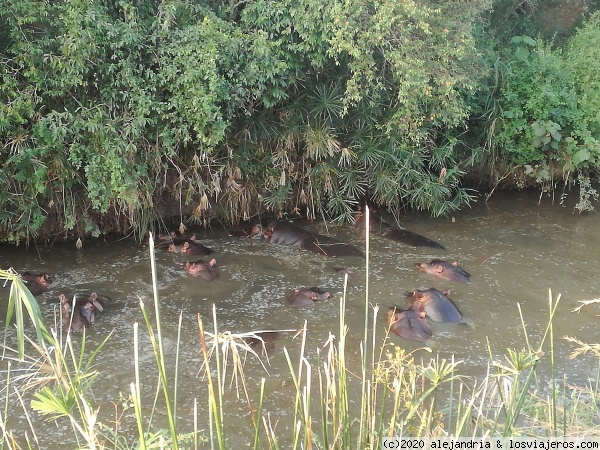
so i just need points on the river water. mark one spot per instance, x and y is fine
(517, 246)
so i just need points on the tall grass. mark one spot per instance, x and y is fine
(398, 395)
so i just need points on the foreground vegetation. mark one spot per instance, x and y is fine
(116, 114)
(54, 374)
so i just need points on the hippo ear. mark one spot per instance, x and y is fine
(186, 245)
(256, 229)
(212, 262)
(454, 263)
(98, 306)
(62, 298)
(193, 237)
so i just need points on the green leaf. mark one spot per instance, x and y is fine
(521, 53)
(516, 39)
(49, 404)
(582, 155)
(538, 130)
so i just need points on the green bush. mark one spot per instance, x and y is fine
(583, 60)
(542, 128)
(110, 109)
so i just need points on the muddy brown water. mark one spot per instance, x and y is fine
(515, 247)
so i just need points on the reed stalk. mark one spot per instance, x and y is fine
(259, 415)
(297, 378)
(342, 381)
(215, 399)
(135, 387)
(157, 345)
(176, 375)
(4, 413)
(364, 406)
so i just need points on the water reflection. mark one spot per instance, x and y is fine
(514, 248)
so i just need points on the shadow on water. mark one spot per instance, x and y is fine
(514, 248)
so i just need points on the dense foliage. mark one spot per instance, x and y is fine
(111, 112)
(538, 121)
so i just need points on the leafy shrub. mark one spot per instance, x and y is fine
(107, 109)
(542, 123)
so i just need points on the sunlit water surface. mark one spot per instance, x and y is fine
(515, 247)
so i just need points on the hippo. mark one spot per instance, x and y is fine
(278, 232)
(435, 304)
(72, 320)
(445, 270)
(80, 311)
(253, 231)
(174, 237)
(342, 271)
(307, 296)
(37, 284)
(190, 247)
(263, 340)
(194, 248)
(408, 323)
(378, 226)
(90, 304)
(176, 242)
(205, 270)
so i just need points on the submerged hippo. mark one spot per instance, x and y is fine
(445, 270)
(409, 324)
(435, 304)
(342, 271)
(253, 231)
(174, 237)
(307, 296)
(204, 270)
(194, 248)
(378, 226)
(262, 340)
(189, 247)
(37, 284)
(81, 310)
(278, 232)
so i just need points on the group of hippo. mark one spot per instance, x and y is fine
(77, 312)
(423, 305)
(411, 322)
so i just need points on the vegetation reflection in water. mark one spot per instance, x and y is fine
(398, 396)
